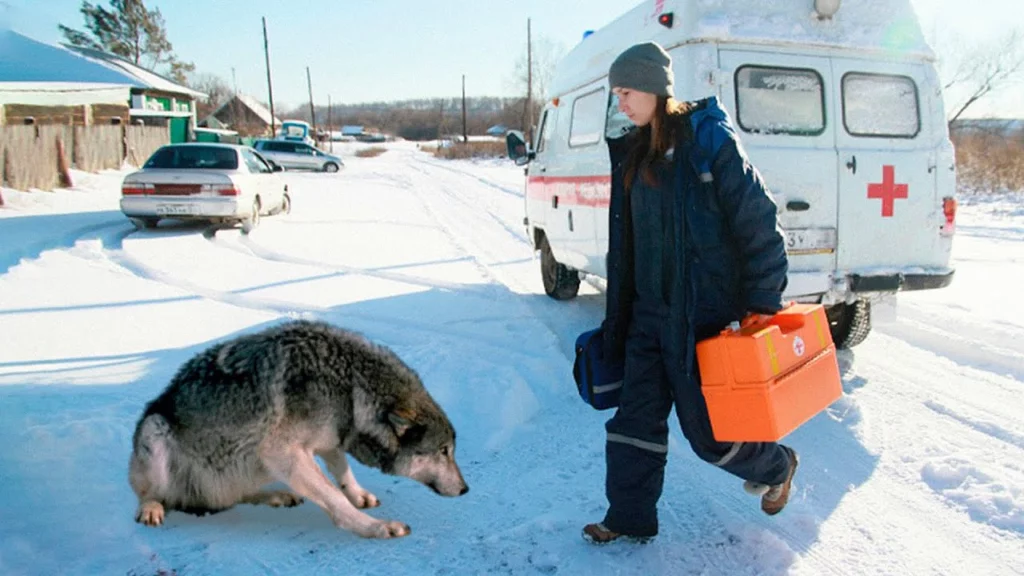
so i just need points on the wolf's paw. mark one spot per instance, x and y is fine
(150, 513)
(387, 529)
(362, 498)
(283, 498)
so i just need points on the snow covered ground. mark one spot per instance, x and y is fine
(917, 469)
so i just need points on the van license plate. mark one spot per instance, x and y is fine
(175, 209)
(811, 240)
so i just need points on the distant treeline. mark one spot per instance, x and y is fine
(423, 119)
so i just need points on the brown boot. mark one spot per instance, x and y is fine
(600, 534)
(775, 499)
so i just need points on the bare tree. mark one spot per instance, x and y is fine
(975, 73)
(216, 89)
(545, 57)
(130, 30)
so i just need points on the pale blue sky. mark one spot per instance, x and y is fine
(366, 50)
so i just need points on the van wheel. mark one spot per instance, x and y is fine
(330, 167)
(850, 324)
(250, 223)
(560, 282)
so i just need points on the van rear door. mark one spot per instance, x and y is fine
(780, 105)
(889, 217)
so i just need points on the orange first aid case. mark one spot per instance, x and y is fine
(763, 381)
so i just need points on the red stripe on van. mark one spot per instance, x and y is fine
(589, 191)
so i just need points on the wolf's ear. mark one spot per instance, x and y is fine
(401, 420)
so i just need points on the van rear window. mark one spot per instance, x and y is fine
(880, 106)
(780, 100)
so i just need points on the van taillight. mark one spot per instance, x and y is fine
(949, 209)
(136, 189)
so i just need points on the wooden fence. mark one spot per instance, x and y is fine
(29, 154)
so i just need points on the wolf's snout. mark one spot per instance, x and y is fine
(464, 490)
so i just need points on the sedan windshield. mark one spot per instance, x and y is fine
(194, 157)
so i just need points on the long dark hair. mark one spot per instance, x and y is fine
(652, 141)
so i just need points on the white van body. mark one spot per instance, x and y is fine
(843, 117)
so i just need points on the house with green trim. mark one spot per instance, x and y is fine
(42, 83)
(155, 99)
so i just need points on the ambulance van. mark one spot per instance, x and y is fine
(837, 104)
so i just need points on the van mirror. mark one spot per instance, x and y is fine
(518, 151)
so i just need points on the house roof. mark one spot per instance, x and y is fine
(28, 60)
(252, 104)
(147, 78)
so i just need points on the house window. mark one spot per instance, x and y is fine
(780, 100)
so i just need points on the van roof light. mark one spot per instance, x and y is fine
(665, 19)
(826, 9)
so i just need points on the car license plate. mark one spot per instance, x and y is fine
(811, 240)
(175, 209)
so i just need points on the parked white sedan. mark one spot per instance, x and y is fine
(222, 183)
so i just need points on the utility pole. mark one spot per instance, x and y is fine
(528, 113)
(270, 84)
(312, 113)
(440, 122)
(465, 136)
(330, 126)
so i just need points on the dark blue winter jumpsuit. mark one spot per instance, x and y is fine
(674, 280)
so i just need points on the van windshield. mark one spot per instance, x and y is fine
(194, 158)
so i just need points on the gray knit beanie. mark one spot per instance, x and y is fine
(645, 67)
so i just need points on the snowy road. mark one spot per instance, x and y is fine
(916, 470)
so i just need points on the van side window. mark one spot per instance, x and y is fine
(587, 119)
(880, 106)
(780, 100)
(618, 124)
(542, 134)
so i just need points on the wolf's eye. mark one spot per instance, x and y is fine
(446, 451)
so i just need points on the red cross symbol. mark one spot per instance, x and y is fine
(888, 191)
(798, 346)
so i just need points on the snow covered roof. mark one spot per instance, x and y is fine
(887, 27)
(252, 104)
(146, 78)
(28, 60)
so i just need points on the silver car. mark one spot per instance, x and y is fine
(199, 181)
(298, 155)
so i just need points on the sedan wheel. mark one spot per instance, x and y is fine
(250, 223)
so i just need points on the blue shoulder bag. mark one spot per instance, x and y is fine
(598, 380)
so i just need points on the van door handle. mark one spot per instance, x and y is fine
(852, 164)
(798, 205)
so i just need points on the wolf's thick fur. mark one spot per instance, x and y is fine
(257, 408)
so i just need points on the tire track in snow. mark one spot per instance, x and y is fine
(517, 234)
(65, 240)
(249, 247)
(500, 188)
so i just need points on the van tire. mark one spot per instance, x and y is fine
(850, 324)
(330, 167)
(560, 282)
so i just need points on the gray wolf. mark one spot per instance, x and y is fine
(258, 408)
